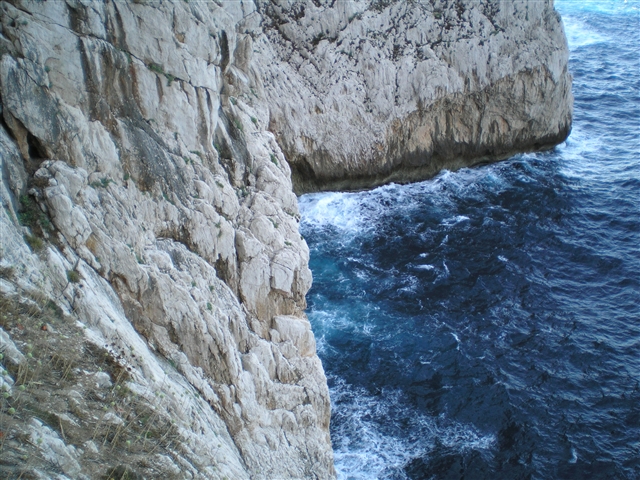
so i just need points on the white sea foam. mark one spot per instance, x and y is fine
(446, 269)
(351, 213)
(410, 284)
(608, 7)
(365, 449)
(574, 455)
(579, 34)
(454, 220)
(341, 210)
(356, 214)
(425, 267)
(580, 146)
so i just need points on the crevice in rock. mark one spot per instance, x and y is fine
(224, 50)
(37, 151)
(227, 273)
(232, 148)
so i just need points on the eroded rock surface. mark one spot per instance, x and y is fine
(147, 197)
(166, 223)
(363, 93)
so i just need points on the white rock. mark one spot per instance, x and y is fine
(298, 331)
(102, 379)
(175, 205)
(53, 449)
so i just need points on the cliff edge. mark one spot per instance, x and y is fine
(152, 274)
(364, 93)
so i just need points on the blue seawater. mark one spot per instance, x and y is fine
(486, 323)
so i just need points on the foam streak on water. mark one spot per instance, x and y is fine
(486, 323)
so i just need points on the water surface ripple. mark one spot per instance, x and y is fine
(486, 323)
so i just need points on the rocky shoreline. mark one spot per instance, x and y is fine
(150, 152)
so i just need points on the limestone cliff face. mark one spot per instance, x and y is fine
(363, 93)
(146, 195)
(139, 130)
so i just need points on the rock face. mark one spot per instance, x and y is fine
(363, 93)
(145, 150)
(153, 239)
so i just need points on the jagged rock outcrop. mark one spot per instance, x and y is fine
(367, 92)
(113, 112)
(146, 198)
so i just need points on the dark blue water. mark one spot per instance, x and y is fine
(486, 323)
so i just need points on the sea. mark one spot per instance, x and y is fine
(485, 324)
